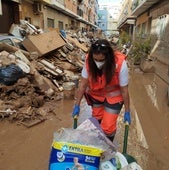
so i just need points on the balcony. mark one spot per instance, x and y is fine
(143, 6)
(127, 22)
(80, 12)
(58, 3)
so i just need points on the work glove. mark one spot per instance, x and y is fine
(76, 111)
(127, 117)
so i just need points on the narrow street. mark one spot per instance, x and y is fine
(47, 40)
(29, 148)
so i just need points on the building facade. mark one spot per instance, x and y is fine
(9, 14)
(103, 19)
(108, 15)
(153, 21)
(126, 21)
(61, 14)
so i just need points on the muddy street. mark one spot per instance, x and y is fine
(29, 148)
(47, 45)
(147, 93)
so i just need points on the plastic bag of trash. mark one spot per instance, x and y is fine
(72, 148)
(10, 74)
(132, 166)
(70, 151)
(63, 33)
(117, 162)
(91, 125)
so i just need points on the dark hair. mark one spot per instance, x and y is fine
(102, 46)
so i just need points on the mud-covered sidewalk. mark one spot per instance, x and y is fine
(147, 92)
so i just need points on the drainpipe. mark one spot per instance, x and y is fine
(0, 8)
(134, 31)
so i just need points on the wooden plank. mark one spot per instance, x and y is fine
(82, 46)
(31, 123)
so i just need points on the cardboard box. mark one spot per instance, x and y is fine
(43, 43)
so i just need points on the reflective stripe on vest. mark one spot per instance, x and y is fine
(107, 109)
(109, 94)
(113, 93)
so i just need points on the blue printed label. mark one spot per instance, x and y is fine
(68, 156)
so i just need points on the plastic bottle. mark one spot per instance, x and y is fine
(107, 165)
(118, 163)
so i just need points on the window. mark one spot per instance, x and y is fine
(143, 31)
(66, 26)
(50, 23)
(103, 17)
(60, 25)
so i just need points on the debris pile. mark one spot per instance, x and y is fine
(49, 65)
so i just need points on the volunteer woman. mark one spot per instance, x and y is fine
(104, 83)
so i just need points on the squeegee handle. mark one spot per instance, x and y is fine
(75, 122)
(125, 138)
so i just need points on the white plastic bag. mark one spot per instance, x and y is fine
(132, 166)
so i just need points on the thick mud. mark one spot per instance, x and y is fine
(29, 148)
(149, 96)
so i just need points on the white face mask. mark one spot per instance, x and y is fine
(99, 64)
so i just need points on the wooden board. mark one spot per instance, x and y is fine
(82, 46)
(43, 43)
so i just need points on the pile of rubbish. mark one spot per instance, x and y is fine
(43, 73)
(86, 147)
(31, 79)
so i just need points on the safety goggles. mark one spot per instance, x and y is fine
(99, 47)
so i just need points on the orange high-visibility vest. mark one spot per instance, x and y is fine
(111, 92)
